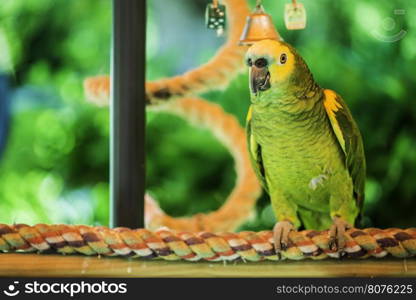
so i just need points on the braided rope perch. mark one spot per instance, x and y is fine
(169, 245)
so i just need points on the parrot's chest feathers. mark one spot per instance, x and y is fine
(299, 151)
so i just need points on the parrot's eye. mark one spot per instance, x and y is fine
(261, 63)
(283, 58)
(249, 62)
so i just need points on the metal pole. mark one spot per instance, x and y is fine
(127, 170)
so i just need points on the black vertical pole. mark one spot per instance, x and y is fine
(128, 114)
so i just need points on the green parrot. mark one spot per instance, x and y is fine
(305, 146)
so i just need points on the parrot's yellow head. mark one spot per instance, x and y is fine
(274, 64)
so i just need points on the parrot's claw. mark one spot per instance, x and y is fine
(281, 235)
(336, 235)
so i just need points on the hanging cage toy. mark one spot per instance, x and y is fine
(215, 17)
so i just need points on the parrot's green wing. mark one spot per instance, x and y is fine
(254, 150)
(349, 138)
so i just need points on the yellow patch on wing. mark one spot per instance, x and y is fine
(253, 147)
(249, 113)
(332, 106)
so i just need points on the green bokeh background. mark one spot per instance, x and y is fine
(55, 165)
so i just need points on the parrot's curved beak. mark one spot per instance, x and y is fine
(259, 79)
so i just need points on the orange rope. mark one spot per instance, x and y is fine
(216, 73)
(240, 203)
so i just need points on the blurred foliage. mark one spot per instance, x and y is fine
(55, 168)
(55, 165)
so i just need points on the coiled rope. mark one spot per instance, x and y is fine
(167, 95)
(189, 246)
(215, 74)
(242, 199)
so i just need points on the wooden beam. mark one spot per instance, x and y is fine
(127, 174)
(34, 265)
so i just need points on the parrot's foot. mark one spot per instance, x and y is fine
(336, 234)
(281, 235)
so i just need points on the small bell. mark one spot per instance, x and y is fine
(259, 26)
